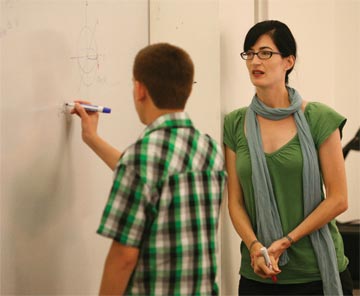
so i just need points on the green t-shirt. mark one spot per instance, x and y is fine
(285, 168)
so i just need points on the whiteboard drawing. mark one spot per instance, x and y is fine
(8, 20)
(87, 53)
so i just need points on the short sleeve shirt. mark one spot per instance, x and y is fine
(165, 201)
(285, 168)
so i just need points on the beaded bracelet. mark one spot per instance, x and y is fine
(290, 239)
(252, 244)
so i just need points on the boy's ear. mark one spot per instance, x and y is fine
(140, 90)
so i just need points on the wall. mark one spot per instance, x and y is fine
(236, 90)
(346, 91)
(327, 33)
(53, 188)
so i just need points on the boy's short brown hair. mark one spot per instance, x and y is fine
(167, 71)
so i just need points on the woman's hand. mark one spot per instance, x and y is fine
(278, 247)
(259, 265)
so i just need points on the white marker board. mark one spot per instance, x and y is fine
(53, 188)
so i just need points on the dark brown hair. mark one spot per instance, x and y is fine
(167, 71)
(280, 35)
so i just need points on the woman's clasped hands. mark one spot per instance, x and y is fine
(258, 261)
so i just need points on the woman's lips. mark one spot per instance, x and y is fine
(257, 73)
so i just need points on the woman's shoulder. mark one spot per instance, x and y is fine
(323, 120)
(319, 111)
(315, 107)
(236, 114)
(233, 127)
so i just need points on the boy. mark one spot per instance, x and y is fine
(163, 209)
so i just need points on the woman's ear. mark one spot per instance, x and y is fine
(290, 62)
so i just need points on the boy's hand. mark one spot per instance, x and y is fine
(89, 121)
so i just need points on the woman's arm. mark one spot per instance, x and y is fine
(240, 219)
(237, 211)
(333, 172)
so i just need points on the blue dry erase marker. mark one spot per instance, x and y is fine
(92, 108)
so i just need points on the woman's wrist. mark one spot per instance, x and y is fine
(252, 244)
(289, 240)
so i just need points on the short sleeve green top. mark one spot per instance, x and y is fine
(285, 168)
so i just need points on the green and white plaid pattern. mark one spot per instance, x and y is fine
(165, 200)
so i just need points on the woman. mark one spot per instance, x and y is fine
(279, 152)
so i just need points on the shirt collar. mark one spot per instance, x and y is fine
(170, 120)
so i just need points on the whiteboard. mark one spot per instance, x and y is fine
(53, 188)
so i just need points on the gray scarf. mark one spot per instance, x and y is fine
(269, 226)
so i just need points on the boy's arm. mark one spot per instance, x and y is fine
(104, 150)
(89, 123)
(119, 265)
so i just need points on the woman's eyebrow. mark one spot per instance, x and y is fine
(265, 47)
(261, 48)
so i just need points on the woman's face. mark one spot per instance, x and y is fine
(268, 73)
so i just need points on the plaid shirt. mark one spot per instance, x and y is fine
(165, 201)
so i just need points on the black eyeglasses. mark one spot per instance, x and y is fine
(262, 54)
